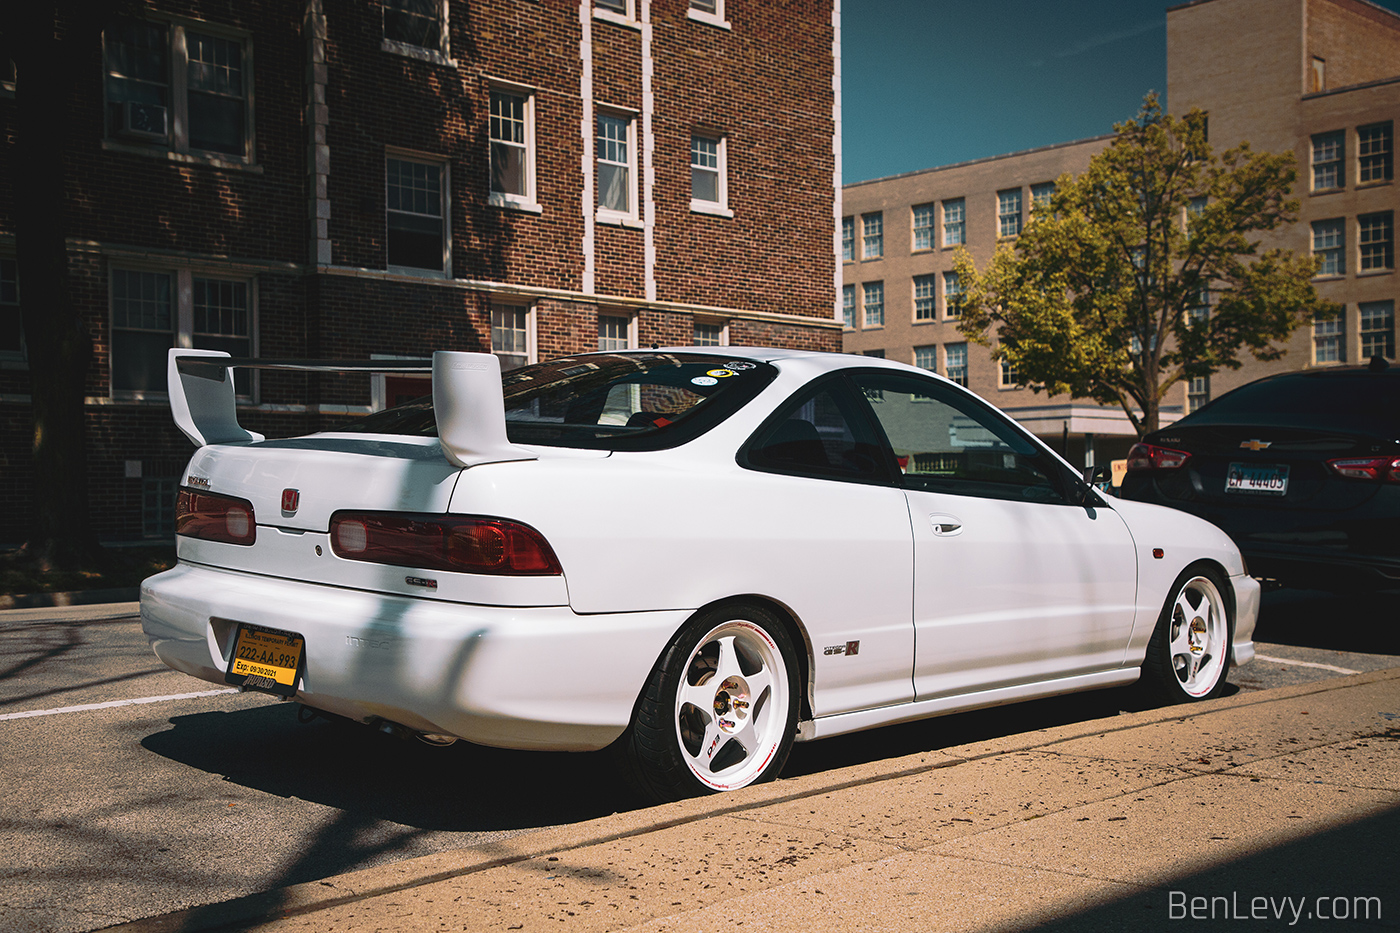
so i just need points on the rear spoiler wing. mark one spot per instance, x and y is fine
(467, 398)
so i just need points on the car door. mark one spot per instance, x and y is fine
(1013, 582)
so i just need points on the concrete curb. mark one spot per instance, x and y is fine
(410, 873)
(73, 598)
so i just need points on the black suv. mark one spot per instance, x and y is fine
(1301, 469)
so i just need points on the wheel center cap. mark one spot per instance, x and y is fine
(732, 704)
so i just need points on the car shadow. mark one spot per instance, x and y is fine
(1363, 622)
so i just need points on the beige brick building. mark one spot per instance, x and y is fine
(1318, 77)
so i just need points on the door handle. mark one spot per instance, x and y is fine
(945, 526)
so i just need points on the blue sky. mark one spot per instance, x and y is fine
(932, 82)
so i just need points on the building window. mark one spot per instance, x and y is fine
(1197, 392)
(952, 295)
(1374, 153)
(925, 297)
(848, 306)
(1041, 195)
(620, 7)
(416, 214)
(1377, 329)
(1008, 374)
(510, 335)
(1317, 76)
(178, 87)
(419, 23)
(955, 362)
(1377, 240)
(923, 226)
(512, 148)
(709, 334)
(614, 332)
(708, 11)
(709, 186)
(158, 495)
(848, 239)
(954, 222)
(1328, 334)
(616, 169)
(1327, 161)
(1009, 212)
(153, 311)
(926, 358)
(873, 304)
(872, 236)
(1329, 245)
(11, 326)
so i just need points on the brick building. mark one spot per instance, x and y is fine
(330, 179)
(1320, 78)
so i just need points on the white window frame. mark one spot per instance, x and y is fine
(1334, 160)
(872, 236)
(627, 17)
(1369, 246)
(1197, 392)
(719, 208)
(182, 317)
(529, 200)
(866, 290)
(1007, 375)
(949, 349)
(1006, 217)
(926, 357)
(952, 286)
(926, 298)
(1381, 168)
(722, 332)
(610, 215)
(1041, 195)
(921, 231)
(848, 239)
(442, 55)
(1329, 343)
(848, 306)
(1385, 311)
(631, 329)
(1329, 251)
(713, 17)
(960, 225)
(445, 199)
(527, 313)
(175, 143)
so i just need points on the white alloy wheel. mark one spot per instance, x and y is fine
(731, 705)
(720, 709)
(1189, 654)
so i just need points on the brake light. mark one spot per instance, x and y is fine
(213, 517)
(1375, 469)
(443, 542)
(1151, 457)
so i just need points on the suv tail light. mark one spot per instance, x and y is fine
(1376, 469)
(443, 542)
(214, 517)
(1151, 457)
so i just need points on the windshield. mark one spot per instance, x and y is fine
(1349, 401)
(606, 401)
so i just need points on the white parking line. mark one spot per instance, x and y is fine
(110, 704)
(1321, 667)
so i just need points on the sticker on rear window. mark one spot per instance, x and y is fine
(721, 373)
(704, 381)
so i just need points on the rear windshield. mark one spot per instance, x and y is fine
(606, 401)
(1355, 401)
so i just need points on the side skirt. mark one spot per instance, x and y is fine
(842, 723)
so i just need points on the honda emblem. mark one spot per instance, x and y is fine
(290, 498)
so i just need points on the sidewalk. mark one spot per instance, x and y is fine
(1267, 811)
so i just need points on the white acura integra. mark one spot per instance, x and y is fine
(695, 555)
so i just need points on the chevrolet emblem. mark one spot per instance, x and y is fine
(1255, 445)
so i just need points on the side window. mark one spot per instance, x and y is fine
(821, 433)
(947, 442)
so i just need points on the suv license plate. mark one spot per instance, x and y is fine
(1267, 480)
(265, 660)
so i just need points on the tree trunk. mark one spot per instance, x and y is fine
(58, 346)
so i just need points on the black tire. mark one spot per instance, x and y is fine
(1188, 657)
(719, 711)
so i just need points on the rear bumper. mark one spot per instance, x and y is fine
(530, 678)
(1323, 569)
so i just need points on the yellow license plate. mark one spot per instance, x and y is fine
(265, 659)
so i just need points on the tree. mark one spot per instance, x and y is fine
(1145, 270)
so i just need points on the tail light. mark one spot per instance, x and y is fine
(214, 517)
(1151, 457)
(1375, 469)
(443, 542)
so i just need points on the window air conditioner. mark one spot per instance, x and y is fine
(143, 121)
